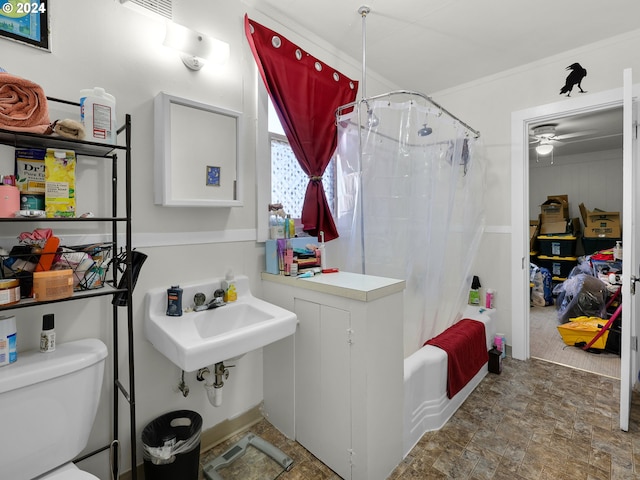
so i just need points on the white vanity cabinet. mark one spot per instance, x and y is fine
(336, 386)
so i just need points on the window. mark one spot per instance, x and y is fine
(288, 181)
(273, 151)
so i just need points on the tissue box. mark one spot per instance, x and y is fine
(271, 250)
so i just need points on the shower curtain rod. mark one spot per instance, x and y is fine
(362, 127)
(407, 92)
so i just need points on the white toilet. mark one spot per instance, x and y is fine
(48, 402)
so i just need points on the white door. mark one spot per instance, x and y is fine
(631, 253)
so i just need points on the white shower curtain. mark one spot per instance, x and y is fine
(411, 206)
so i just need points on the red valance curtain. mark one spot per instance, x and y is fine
(305, 93)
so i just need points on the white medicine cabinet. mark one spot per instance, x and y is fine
(197, 154)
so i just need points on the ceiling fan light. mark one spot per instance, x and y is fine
(544, 149)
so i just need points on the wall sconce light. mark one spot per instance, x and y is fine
(195, 48)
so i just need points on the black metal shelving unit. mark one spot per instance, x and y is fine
(120, 280)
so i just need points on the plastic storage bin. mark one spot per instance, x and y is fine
(171, 446)
(557, 245)
(592, 245)
(559, 267)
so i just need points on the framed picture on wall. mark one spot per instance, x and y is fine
(25, 22)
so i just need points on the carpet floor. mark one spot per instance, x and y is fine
(547, 344)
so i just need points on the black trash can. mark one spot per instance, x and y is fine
(171, 446)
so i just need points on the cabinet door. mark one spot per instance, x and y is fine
(323, 373)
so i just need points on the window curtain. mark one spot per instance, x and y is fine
(306, 93)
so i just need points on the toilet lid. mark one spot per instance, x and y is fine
(68, 472)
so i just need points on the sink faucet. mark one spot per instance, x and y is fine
(218, 299)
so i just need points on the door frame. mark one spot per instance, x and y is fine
(520, 123)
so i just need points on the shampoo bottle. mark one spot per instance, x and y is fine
(288, 223)
(229, 287)
(174, 301)
(474, 293)
(48, 335)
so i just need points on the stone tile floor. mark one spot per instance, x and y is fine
(535, 421)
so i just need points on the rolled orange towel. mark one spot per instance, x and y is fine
(23, 105)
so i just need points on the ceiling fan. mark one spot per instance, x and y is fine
(546, 137)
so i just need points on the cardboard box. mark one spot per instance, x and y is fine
(599, 224)
(52, 285)
(555, 209)
(563, 227)
(551, 228)
(564, 200)
(534, 229)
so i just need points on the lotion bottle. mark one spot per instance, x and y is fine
(323, 255)
(48, 335)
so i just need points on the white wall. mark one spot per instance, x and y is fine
(108, 45)
(594, 179)
(487, 105)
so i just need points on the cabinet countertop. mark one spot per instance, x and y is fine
(356, 286)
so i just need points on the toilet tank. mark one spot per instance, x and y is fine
(48, 402)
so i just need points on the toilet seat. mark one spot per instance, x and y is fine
(68, 472)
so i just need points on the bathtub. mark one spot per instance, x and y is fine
(426, 405)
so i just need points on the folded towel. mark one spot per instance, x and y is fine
(466, 347)
(23, 105)
(69, 129)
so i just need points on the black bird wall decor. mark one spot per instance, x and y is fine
(574, 78)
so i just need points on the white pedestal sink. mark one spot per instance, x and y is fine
(199, 339)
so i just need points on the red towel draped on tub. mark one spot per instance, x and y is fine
(466, 346)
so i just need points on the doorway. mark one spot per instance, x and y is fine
(585, 165)
(522, 122)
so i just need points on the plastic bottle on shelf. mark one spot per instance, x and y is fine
(276, 222)
(98, 115)
(289, 227)
(489, 298)
(617, 251)
(48, 334)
